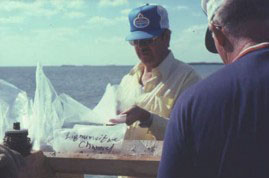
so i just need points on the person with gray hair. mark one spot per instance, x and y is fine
(219, 127)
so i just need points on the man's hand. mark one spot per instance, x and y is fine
(121, 118)
(136, 113)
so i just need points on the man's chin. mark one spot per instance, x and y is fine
(147, 63)
(146, 59)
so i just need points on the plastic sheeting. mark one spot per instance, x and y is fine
(51, 118)
(14, 107)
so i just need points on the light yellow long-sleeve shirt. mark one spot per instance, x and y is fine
(157, 95)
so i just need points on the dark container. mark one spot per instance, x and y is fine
(16, 139)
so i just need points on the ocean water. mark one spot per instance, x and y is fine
(86, 84)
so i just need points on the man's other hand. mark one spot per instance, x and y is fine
(136, 113)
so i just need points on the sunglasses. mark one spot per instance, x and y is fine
(144, 42)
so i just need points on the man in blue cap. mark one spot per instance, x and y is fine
(149, 90)
(219, 127)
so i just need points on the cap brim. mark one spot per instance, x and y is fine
(139, 35)
(209, 42)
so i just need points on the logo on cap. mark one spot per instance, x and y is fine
(140, 21)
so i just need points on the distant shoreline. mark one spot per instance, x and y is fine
(190, 63)
(205, 63)
(67, 65)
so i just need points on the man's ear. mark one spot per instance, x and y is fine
(166, 37)
(218, 34)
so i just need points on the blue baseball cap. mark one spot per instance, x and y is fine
(147, 21)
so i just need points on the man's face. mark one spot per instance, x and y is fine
(151, 52)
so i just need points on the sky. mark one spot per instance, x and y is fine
(91, 32)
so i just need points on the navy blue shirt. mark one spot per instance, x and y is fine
(220, 126)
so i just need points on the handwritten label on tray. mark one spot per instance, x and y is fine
(98, 139)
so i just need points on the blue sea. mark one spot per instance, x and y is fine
(86, 84)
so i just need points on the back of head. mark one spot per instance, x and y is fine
(248, 19)
(245, 18)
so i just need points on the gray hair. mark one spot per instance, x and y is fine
(240, 17)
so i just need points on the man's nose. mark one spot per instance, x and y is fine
(141, 47)
(141, 44)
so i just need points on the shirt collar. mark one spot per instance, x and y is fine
(162, 69)
(250, 49)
